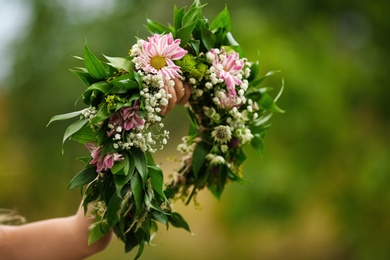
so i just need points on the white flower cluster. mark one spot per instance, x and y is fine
(154, 95)
(187, 146)
(142, 138)
(89, 113)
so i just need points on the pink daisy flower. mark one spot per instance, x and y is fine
(156, 55)
(228, 68)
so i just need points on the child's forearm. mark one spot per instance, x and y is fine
(60, 238)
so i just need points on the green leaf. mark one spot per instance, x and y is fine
(261, 79)
(101, 86)
(97, 232)
(101, 115)
(85, 135)
(208, 38)
(199, 156)
(125, 83)
(254, 71)
(257, 142)
(195, 45)
(92, 97)
(83, 76)
(234, 177)
(217, 187)
(122, 180)
(177, 221)
(153, 227)
(193, 128)
(240, 157)
(155, 27)
(121, 167)
(64, 116)
(280, 92)
(194, 13)
(260, 124)
(230, 41)
(140, 248)
(139, 80)
(83, 177)
(150, 159)
(157, 180)
(113, 210)
(73, 128)
(184, 33)
(178, 17)
(140, 163)
(267, 102)
(84, 159)
(138, 192)
(222, 21)
(94, 66)
(130, 241)
(160, 217)
(120, 63)
(145, 227)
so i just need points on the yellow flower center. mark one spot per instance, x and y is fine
(158, 62)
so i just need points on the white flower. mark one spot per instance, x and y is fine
(192, 81)
(209, 56)
(216, 101)
(215, 159)
(247, 136)
(209, 111)
(171, 83)
(164, 102)
(244, 135)
(209, 85)
(247, 72)
(198, 92)
(221, 134)
(224, 148)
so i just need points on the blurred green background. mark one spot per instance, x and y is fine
(320, 191)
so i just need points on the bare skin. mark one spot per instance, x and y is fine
(180, 93)
(66, 238)
(57, 238)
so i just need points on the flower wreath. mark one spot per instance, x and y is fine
(122, 124)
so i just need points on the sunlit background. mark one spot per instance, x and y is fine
(321, 189)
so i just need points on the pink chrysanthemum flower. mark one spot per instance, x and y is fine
(102, 163)
(157, 55)
(228, 67)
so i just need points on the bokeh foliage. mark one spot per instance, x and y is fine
(320, 191)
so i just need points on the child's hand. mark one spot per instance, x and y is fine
(180, 93)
